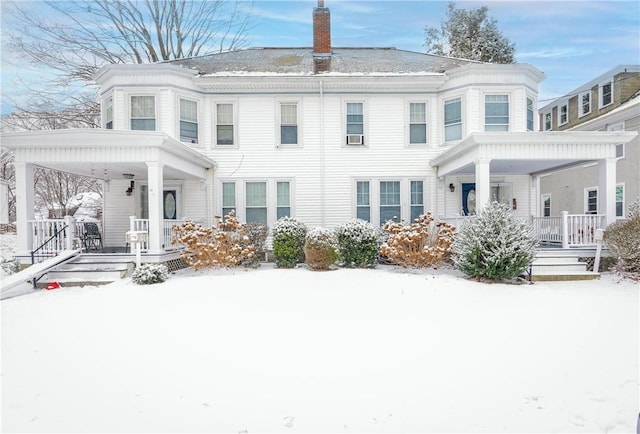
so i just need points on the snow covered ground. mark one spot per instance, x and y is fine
(272, 350)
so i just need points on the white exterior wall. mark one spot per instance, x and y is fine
(115, 222)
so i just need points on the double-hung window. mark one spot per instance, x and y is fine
(453, 119)
(546, 205)
(529, 114)
(563, 113)
(584, 103)
(188, 121)
(143, 113)
(283, 199)
(496, 113)
(390, 201)
(606, 93)
(417, 123)
(228, 197)
(224, 124)
(355, 123)
(547, 121)
(289, 123)
(256, 202)
(363, 201)
(108, 114)
(591, 201)
(417, 199)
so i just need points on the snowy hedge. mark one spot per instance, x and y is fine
(288, 242)
(358, 244)
(623, 240)
(320, 248)
(495, 245)
(147, 274)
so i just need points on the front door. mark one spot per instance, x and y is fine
(469, 198)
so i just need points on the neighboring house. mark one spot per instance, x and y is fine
(610, 102)
(322, 134)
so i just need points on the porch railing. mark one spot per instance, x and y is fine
(569, 230)
(51, 236)
(136, 224)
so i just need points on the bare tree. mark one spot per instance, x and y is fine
(469, 34)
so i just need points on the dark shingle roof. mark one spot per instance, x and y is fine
(300, 61)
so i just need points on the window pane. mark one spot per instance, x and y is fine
(283, 211)
(283, 196)
(143, 107)
(355, 129)
(188, 111)
(225, 134)
(620, 150)
(418, 133)
(229, 194)
(619, 201)
(109, 114)
(143, 124)
(288, 114)
(529, 114)
(389, 200)
(258, 215)
(288, 134)
(496, 113)
(256, 193)
(364, 213)
(501, 193)
(224, 114)
(363, 210)
(354, 108)
(453, 119)
(417, 112)
(452, 132)
(188, 132)
(355, 118)
(417, 199)
(606, 94)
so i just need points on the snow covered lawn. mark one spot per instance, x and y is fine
(269, 350)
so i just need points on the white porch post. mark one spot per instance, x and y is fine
(154, 171)
(483, 183)
(24, 207)
(607, 189)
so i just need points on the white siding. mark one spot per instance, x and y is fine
(120, 207)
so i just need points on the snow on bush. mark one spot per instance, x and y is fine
(224, 245)
(358, 244)
(288, 242)
(320, 248)
(422, 243)
(147, 274)
(623, 240)
(257, 233)
(495, 245)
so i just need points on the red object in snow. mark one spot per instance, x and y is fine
(52, 285)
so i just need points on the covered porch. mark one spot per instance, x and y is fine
(151, 182)
(506, 167)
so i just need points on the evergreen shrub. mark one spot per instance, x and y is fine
(494, 245)
(147, 274)
(358, 244)
(623, 240)
(320, 248)
(288, 242)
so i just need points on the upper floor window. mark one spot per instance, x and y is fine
(496, 113)
(288, 123)
(143, 113)
(584, 103)
(547, 121)
(591, 200)
(363, 201)
(529, 114)
(417, 123)
(453, 119)
(355, 123)
(563, 113)
(606, 93)
(417, 199)
(108, 114)
(224, 124)
(283, 199)
(389, 201)
(188, 121)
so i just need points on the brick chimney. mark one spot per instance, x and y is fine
(321, 31)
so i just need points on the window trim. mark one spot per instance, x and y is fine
(155, 110)
(278, 127)
(601, 93)
(564, 104)
(197, 122)
(426, 123)
(484, 111)
(444, 120)
(581, 111)
(234, 111)
(586, 200)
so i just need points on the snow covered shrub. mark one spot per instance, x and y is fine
(224, 245)
(10, 267)
(257, 233)
(422, 243)
(320, 248)
(147, 274)
(623, 240)
(495, 245)
(358, 244)
(288, 242)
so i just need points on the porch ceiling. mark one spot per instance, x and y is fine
(529, 153)
(107, 154)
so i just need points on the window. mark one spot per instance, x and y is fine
(389, 201)
(108, 114)
(417, 123)
(453, 119)
(143, 113)
(606, 93)
(224, 124)
(496, 113)
(546, 205)
(501, 193)
(547, 121)
(563, 113)
(591, 201)
(283, 200)
(188, 121)
(584, 103)
(256, 202)
(529, 114)
(417, 199)
(355, 123)
(620, 200)
(363, 201)
(288, 123)
(228, 197)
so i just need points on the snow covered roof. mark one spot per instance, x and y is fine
(300, 61)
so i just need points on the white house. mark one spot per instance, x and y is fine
(324, 134)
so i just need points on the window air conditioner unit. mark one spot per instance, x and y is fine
(355, 139)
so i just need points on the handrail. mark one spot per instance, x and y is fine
(55, 237)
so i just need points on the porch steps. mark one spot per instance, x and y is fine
(84, 271)
(560, 265)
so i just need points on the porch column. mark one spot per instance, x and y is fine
(607, 189)
(24, 207)
(154, 173)
(483, 183)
